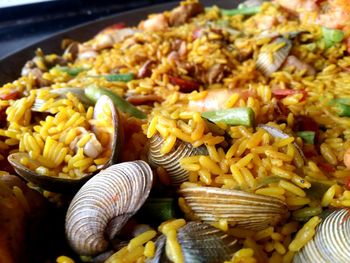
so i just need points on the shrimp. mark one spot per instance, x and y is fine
(332, 14)
(216, 99)
(347, 158)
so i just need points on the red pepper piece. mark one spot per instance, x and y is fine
(186, 86)
(348, 183)
(13, 95)
(304, 123)
(326, 167)
(282, 93)
(309, 150)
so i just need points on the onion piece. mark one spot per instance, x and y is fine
(280, 134)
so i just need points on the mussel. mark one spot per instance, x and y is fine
(271, 60)
(331, 242)
(104, 204)
(58, 184)
(171, 161)
(239, 208)
(200, 242)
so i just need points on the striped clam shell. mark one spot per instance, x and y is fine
(200, 242)
(104, 204)
(171, 161)
(264, 63)
(331, 242)
(239, 208)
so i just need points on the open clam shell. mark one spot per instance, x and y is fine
(239, 208)
(331, 242)
(271, 60)
(58, 184)
(171, 161)
(200, 242)
(104, 204)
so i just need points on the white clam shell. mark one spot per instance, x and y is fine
(171, 161)
(113, 195)
(239, 208)
(264, 62)
(331, 242)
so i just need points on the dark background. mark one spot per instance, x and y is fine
(26, 24)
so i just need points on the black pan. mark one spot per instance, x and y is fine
(11, 65)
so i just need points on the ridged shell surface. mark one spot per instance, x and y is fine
(331, 242)
(264, 63)
(200, 242)
(113, 195)
(170, 161)
(239, 208)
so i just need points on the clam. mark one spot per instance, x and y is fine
(104, 204)
(61, 94)
(171, 161)
(59, 184)
(270, 60)
(200, 242)
(280, 134)
(331, 242)
(239, 208)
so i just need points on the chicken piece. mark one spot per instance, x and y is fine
(183, 13)
(156, 22)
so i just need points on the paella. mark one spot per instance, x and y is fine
(202, 134)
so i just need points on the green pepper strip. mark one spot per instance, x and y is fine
(126, 77)
(332, 36)
(235, 116)
(71, 71)
(307, 136)
(94, 93)
(241, 11)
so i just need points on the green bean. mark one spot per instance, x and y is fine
(241, 11)
(234, 116)
(332, 36)
(306, 213)
(71, 71)
(126, 77)
(343, 106)
(94, 93)
(307, 136)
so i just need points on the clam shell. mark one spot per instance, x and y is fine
(170, 161)
(264, 63)
(61, 185)
(280, 134)
(104, 204)
(331, 242)
(200, 242)
(239, 208)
